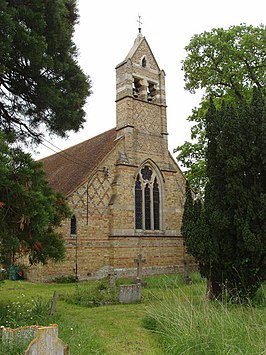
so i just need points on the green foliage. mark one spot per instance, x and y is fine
(29, 211)
(24, 311)
(195, 230)
(92, 295)
(187, 325)
(234, 210)
(65, 279)
(41, 82)
(226, 64)
(226, 61)
(179, 314)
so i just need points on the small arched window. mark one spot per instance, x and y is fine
(73, 226)
(144, 62)
(147, 200)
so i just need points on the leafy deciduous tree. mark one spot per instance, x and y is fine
(226, 64)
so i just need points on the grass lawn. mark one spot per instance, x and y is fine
(119, 329)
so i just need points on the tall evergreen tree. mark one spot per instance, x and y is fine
(41, 84)
(29, 210)
(235, 209)
(193, 228)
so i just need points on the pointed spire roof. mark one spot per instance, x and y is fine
(136, 44)
(139, 39)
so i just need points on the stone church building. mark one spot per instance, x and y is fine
(124, 188)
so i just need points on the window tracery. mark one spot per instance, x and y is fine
(147, 200)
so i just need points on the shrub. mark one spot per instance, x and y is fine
(92, 295)
(65, 279)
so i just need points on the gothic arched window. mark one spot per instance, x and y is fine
(147, 200)
(73, 226)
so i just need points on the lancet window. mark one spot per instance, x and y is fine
(147, 200)
(73, 226)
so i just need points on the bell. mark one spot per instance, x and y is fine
(135, 94)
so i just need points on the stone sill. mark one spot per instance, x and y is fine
(149, 233)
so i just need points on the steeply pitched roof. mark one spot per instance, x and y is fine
(66, 170)
(139, 39)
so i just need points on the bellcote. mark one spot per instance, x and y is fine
(141, 102)
(139, 75)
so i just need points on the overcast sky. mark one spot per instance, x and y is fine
(106, 32)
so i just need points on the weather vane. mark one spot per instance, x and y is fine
(140, 23)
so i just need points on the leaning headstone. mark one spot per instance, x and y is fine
(130, 293)
(47, 342)
(54, 303)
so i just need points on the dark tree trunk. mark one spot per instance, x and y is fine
(214, 290)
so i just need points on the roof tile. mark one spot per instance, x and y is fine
(67, 169)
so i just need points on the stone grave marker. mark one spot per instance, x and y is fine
(54, 303)
(111, 277)
(130, 293)
(47, 342)
(35, 339)
(139, 261)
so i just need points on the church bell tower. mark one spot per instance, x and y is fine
(141, 104)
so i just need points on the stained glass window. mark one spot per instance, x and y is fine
(146, 173)
(138, 203)
(147, 195)
(156, 205)
(147, 200)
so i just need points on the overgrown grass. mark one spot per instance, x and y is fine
(22, 312)
(188, 324)
(173, 318)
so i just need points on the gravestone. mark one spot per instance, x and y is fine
(18, 337)
(130, 293)
(38, 340)
(111, 277)
(54, 303)
(139, 262)
(47, 342)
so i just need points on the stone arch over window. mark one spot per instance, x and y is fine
(148, 198)
(144, 62)
(73, 226)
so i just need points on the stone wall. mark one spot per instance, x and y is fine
(104, 204)
(106, 236)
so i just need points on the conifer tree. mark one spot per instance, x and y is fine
(29, 210)
(41, 83)
(235, 208)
